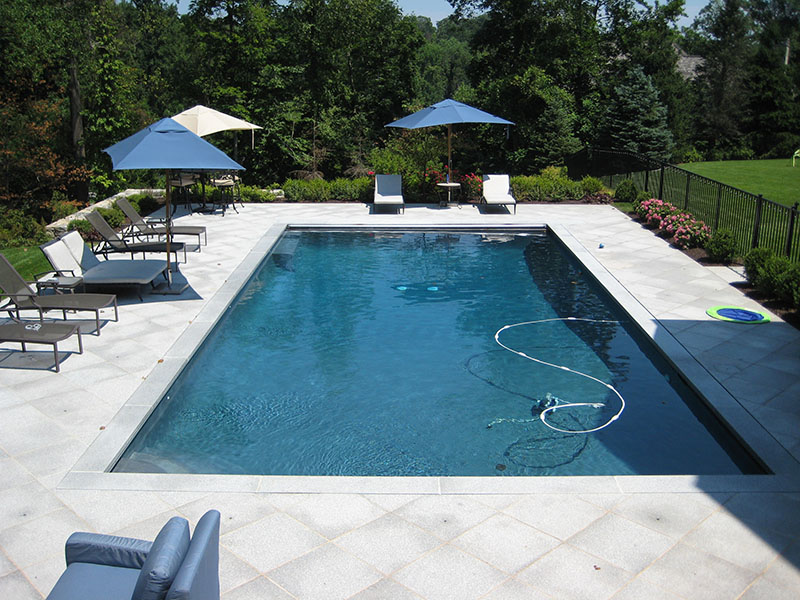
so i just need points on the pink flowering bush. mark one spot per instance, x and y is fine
(686, 231)
(471, 185)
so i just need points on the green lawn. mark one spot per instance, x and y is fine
(27, 260)
(775, 179)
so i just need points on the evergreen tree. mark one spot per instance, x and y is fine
(635, 119)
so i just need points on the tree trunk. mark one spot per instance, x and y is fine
(786, 58)
(81, 188)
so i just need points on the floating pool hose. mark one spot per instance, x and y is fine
(736, 314)
(560, 404)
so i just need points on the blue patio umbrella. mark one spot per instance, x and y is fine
(447, 112)
(168, 145)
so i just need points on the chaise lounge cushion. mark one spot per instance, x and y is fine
(163, 561)
(86, 581)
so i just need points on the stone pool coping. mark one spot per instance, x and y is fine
(90, 471)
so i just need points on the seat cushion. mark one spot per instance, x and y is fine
(165, 558)
(85, 581)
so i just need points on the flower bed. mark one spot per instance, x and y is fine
(686, 231)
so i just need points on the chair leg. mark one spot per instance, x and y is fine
(55, 355)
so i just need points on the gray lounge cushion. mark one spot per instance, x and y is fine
(85, 581)
(164, 560)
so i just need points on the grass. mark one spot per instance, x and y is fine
(28, 260)
(775, 179)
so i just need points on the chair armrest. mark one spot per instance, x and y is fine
(56, 272)
(111, 550)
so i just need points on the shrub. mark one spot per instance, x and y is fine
(551, 185)
(20, 229)
(773, 272)
(351, 190)
(300, 190)
(722, 246)
(788, 286)
(754, 262)
(471, 186)
(61, 206)
(255, 195)
(83, 227)
(692, 234)
(591, 185)
(113, 216)
(626, 191)
(144, 204)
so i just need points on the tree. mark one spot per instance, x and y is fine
(635, 119)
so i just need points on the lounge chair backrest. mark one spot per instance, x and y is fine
(60, 257)
(105, 230)
(388, 185)
(80, 251)
(134, 217)
(496, 185)
(11, 282)
(198, 577)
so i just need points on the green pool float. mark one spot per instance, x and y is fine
(736, 314)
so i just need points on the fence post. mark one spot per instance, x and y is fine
(757, 224)
(790, 233)
(686, 199)
(647, 178)
(719, 205)
(661, 184)
(611, 181)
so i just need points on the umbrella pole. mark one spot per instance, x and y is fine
(449, 152)
(169, 224)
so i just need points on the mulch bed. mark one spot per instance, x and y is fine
(787, 313)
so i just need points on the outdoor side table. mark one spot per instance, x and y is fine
(450, 187)
(59, 284)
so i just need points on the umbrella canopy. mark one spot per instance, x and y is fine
(447, 112)
(204, 121)
(169, 145)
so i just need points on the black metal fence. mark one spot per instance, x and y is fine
(754, 220)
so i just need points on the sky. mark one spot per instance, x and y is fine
(439, 9)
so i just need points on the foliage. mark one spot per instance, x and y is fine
(551, 185)
(722, 246)
(305, 190)
(754, 262)
(143, 203)
(29, 261)
(626, 191)
(60, 206)
(255, 195)
(351, 190)
(83, 227)
(686, 231)
(113, 216)
(20, 229)
(471, 186)
(592, 185)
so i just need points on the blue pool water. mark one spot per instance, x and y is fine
(356, 353)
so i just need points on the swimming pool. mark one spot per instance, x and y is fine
(375, 354)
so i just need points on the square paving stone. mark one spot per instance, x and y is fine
(560, 515)
(445, 516)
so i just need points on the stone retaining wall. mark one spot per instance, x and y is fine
(59, 227)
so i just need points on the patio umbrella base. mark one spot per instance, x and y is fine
(176, 287)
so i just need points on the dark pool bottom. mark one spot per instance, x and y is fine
(374, 354)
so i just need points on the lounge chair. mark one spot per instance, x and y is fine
(40, 333)
(142, 228)
(22, 297)
(114, 242)
(389, 191)
(497, 191)
(70, 256)
(172, 567)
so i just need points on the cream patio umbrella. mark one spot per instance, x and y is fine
(204, 121)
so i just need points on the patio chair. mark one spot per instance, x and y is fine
(22, 297)
(114, 242)
(24, 333)
(497, 191)
(142, 228)
(70, 256)
(389, 191)
(227, 187)
(172, 567)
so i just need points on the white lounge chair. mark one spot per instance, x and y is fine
(389, 191)
(70, 255)
(497, 191)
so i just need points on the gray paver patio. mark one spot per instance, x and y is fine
(493, 539)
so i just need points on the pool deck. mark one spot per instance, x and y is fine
(432, 538)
